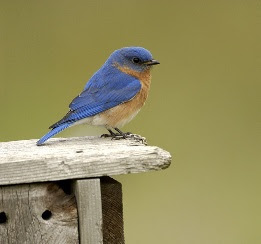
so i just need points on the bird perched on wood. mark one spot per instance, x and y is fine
(114, 94)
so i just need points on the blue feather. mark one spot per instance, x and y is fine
(53, 132)
(102, 94)
(107, 88)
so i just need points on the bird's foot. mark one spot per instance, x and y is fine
(121, 135)
(106, 135)
(138, 138)
(114, 135)
(130, 136)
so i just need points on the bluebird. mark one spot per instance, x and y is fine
(114, 94)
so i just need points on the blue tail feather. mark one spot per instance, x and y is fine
(53, 132)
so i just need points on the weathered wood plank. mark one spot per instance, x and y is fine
(100, 211)
(37, 213)
(74, 158)
(112, 211)
(88, 196)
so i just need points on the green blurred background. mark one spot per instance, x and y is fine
(204, 103)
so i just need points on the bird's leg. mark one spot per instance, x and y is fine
(121, 134)
(125, 133)
(112, 134)
(129, 135)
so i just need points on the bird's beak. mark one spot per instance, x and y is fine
(152, 62)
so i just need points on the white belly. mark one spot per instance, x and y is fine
(102, 119)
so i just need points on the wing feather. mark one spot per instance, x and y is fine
(100, 94)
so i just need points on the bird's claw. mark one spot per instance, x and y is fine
(130, 136)
(105, 135)
(111, 135)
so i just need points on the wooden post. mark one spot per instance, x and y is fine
(88, 195)
(100, 211)
(76, 202)
(112, 211)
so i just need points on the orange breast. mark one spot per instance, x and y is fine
(123, 113)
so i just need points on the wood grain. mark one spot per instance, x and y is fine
(100, 212)
(88, 196)
(74, 158)
(112, 211)
(24, 206)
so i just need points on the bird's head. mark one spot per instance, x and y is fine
(135, 58)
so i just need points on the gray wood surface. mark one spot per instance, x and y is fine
(74, 158)
(88, 197)
(112, 211)
(24, 206)
(100, 212)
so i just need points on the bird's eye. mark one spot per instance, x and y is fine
(136, 60)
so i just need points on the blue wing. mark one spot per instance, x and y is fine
(104, 91)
